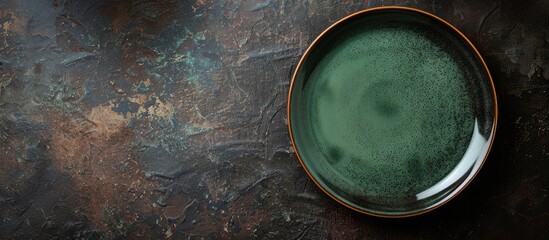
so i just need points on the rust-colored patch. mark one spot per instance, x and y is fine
(119, 13)
(16, 24)
(106, 121)
(95, 150)
(200, 2)
(161, 109)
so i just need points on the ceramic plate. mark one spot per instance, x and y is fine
(392, 111)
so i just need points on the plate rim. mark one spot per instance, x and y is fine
(451, 27)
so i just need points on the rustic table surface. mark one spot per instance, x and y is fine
(166, 119)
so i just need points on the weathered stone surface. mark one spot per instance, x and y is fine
(166, 119)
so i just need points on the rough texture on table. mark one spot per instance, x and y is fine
(166, 119)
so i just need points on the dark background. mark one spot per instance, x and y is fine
(166, 119)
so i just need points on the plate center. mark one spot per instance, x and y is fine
(389, 111)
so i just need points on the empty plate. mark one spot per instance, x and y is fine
(392, 111)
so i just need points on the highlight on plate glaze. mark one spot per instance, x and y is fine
(392, 111)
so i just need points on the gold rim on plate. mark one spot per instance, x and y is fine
(432, 16)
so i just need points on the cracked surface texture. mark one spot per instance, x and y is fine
(166, 119)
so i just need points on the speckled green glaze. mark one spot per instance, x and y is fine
(385, 116)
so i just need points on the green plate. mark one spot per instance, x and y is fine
(392, 111)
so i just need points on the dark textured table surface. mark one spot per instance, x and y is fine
(166, 119)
